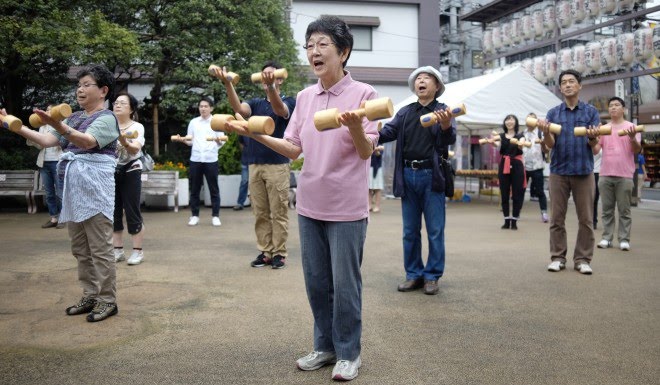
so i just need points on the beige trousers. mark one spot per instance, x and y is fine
(269, 197)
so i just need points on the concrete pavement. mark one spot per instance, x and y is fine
(195, 312)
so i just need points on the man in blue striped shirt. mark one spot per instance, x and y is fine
(571, 171)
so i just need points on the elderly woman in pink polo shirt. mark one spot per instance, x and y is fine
(332, 199)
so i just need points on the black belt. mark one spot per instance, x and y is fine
(418, 164)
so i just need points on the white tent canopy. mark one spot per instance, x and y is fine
(489, 98)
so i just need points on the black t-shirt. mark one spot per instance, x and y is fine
(506, 148)
(417, 140)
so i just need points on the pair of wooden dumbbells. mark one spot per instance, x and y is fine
(234, 78)
(59, 112)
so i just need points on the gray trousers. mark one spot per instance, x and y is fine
(91, 245)
(616, 191)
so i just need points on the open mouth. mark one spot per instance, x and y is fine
(317, 64)
(422, 88)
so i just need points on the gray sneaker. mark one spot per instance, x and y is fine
(101, 311)
(136, 258)
(316, 360)
(85, 305)
(119, 255)
(346, 370)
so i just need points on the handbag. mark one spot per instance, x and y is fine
(448, 170)
(147, 162)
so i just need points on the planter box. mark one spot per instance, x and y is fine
(229, 185)
(168, 201)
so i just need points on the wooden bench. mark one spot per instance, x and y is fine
(162, 183)
(20, 183)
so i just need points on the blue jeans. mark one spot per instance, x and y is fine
(49, 177)
(198, 171)
(243, 189)
(331, 259)
(418, 199)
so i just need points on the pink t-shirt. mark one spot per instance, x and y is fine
(334, 181)
(618, 157)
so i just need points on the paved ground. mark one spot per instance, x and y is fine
(195, 312)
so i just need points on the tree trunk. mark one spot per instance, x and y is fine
(155, 119)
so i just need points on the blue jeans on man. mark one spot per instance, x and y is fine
(417, 200)
(243, 188)
(49, 177)
(199, 171)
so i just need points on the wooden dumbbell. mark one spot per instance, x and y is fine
(582, 131)
(255, 124)
(373, 109)
(11, 123)
(179, 138)
(524, 143)
(538, 141)
(554, 128)
(430, 118)
(130, 134)
(233, 77)
(280, 73)
(59, 112)
(222, 138)
(639, 128)
(451, 154)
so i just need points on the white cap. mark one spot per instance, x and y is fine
(431, 71)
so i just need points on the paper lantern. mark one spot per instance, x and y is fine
(578, 11)
(625, 50)
(565, 59)
(497, 37)
(538, 69)
(593, 8)
(487, 42)
(506, 34)
(608, 58)
(527, 26)
(643, 44)
(563, 12)
(592, 57)
(656, 42)
(526, 65)
(537, 16)
(550, 60)
(516, 30)
(549, 18)
(607, 7)
(577, 52)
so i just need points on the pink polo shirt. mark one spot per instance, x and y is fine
(618, 157)
(334, 181)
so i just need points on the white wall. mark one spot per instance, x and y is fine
(394, 42)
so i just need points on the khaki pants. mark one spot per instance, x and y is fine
(91, 245)
(616, 191)
(269, 197)
(583, 189)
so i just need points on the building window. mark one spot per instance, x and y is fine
(362, 39)
(477, 59)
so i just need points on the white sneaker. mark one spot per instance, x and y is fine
(193, 221)
(215, 221)
(625, 246)
(346, 370)
(119, 255)
(556, 266)
(604, 244)
(136, 258)
(316, 360)
(584, 268)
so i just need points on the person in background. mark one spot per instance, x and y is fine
(128, 179)
(419, 178)
(245, 174)
(47, 163)
(332, 197)
(269, 171)
(511, 171)
(376, 179)
(204, 161)
(534, 157)
(571, 172)
(641, 172)
(615, 184)
(597, 161)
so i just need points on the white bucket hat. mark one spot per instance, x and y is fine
(431, 71)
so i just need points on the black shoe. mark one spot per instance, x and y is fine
(85, 305)
(278, 262)
(514, 225)
(261, 261)
(238, 207)
(507, 224)
(101, 311)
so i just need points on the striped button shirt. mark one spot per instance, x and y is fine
(571, 154)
